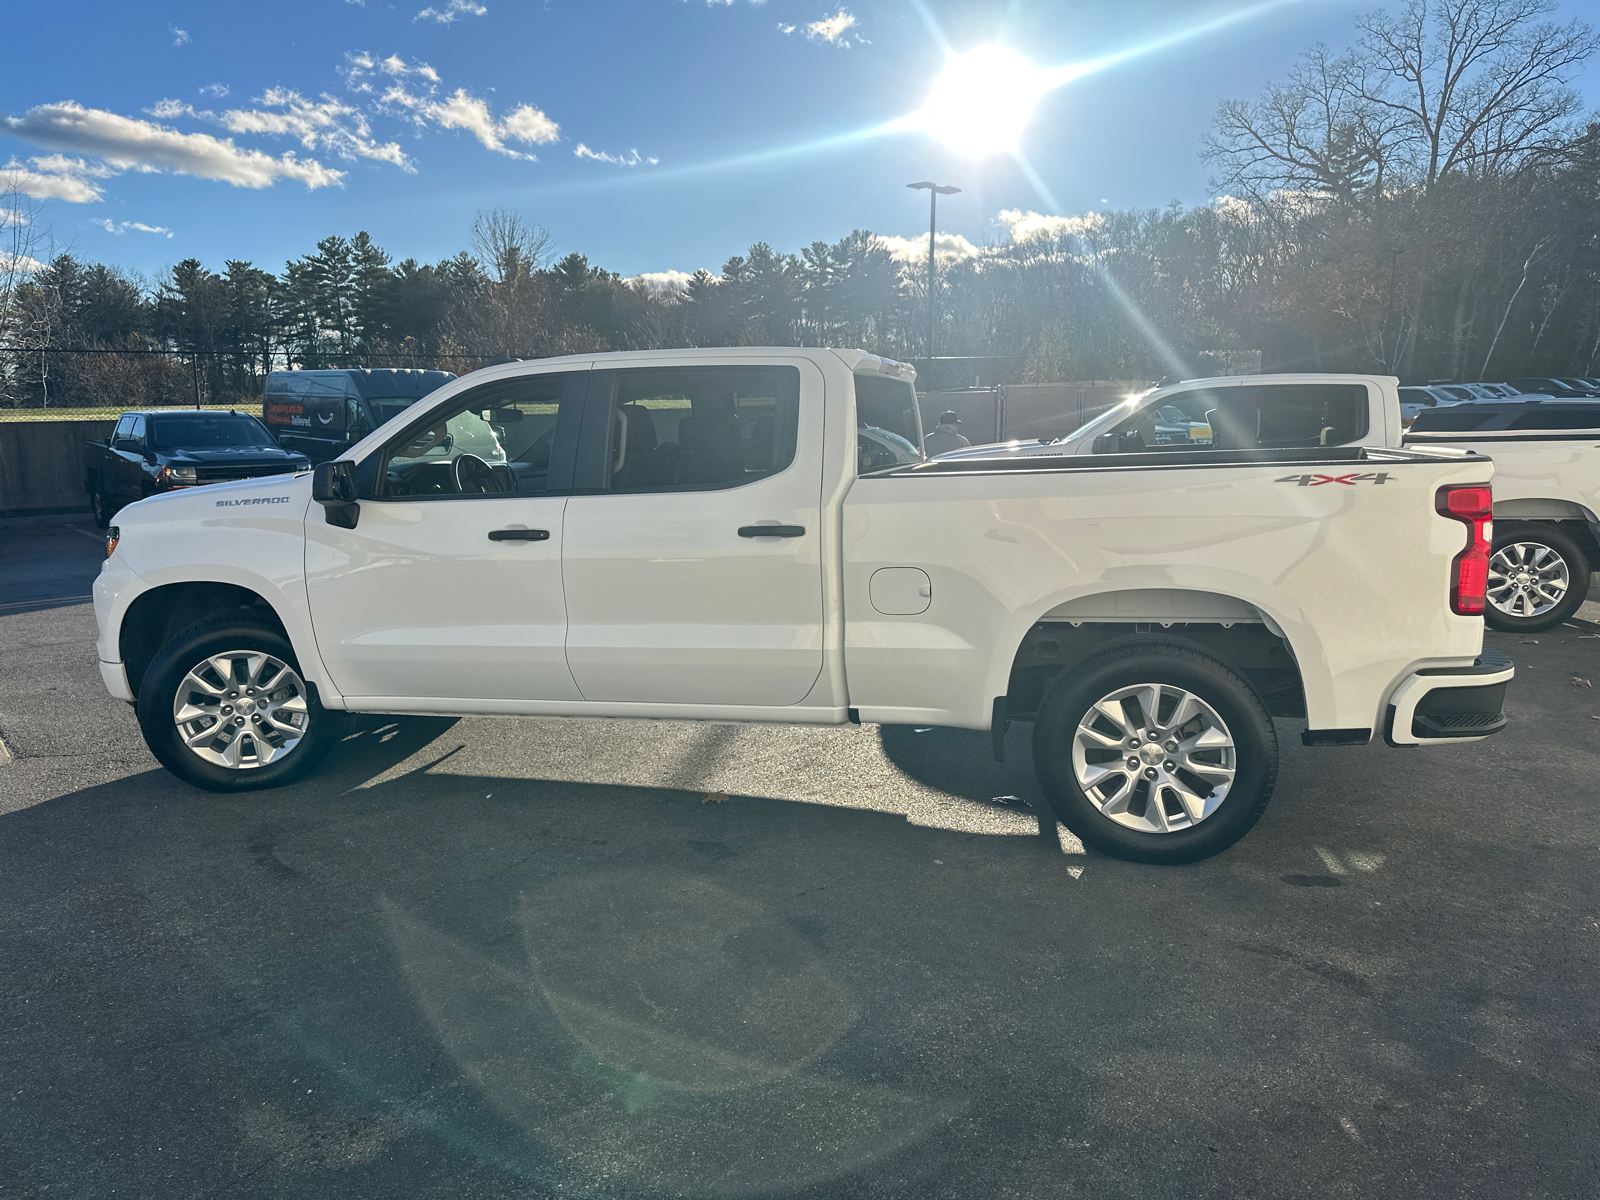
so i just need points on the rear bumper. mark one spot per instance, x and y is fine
(1450, 704)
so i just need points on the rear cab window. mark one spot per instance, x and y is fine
(888, 429)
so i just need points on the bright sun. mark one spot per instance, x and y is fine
(983, 101)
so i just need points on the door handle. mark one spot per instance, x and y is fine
(772, 531)
(519, 535)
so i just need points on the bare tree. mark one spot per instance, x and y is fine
(1317, 131)
(507, 246)
(19, 238)
(1476, 86)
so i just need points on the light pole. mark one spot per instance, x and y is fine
(934, 191)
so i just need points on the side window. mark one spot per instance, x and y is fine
(123, 431)
(697, 428)
(1180, 421)
(355, 419)
(1556, 418)
(136, 434)
(1306, 414)
(495, 439)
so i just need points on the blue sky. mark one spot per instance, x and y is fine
(651, 135)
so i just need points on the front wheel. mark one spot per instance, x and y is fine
(100, 507)
(1155, 752)
(223, 706)
(1538, 576)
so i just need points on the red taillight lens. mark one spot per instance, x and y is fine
(1469, 573)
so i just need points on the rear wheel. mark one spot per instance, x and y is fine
(224, 707)
(1155, 752)
(1538, 576)
(100, 507)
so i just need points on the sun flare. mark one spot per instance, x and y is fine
(983, 100)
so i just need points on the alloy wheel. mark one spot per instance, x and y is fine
(1154, 757)
(241, 709)
(1527, 579)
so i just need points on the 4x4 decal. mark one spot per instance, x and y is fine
(1379, 477)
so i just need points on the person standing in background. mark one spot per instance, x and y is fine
(945, 437)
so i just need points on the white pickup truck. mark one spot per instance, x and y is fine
(1547, 499)
(1547, 492)
(752, 535)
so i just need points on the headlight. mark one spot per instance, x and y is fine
(113, 536)
(180, 475)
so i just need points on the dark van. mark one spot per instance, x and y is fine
(322, 413)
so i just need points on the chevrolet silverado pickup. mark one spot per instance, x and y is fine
(753, 535)
(157, 450)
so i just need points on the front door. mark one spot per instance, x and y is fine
(674, 595)
(449, 588)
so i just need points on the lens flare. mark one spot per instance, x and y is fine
(983, 100)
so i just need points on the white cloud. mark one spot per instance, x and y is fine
(55, 177)
(782, 28)
(526, 123)
(462, 110)
(328, 124)
(451, 11)
(180, 37)
(663, 281)
(630, 159)
(360, 65)
(1026, 226)
(126, 143)
(832, 29)
(218, 90)
(19, 263)
(945, 245)
(121, 227)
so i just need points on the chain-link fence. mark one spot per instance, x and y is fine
(55, 383)
(73, 384)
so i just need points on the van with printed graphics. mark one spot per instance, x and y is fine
(320, 414)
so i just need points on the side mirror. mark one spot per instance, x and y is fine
(333, 485)
(1106, 443)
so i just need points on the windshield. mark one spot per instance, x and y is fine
(387, 408)
(208, 431)
(1105, 420)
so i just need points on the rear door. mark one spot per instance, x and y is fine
(674, 593)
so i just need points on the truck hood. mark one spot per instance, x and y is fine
(240, 456)
(281, 496)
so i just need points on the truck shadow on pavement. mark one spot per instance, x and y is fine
(404, 977)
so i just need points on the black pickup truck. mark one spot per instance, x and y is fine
(156, 450)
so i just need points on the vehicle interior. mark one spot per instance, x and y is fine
(695, 429)
(494, 442)
(1244, 418)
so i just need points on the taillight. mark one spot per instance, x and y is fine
(1473, 506)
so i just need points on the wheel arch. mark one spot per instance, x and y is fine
(1268, 644)
(157, 615)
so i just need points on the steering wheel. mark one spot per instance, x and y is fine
(473, 476)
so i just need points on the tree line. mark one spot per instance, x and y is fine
(1425, 204)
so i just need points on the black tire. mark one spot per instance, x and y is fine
(99, 507)
(1177, 664)
(238, 630)
(1577, 565)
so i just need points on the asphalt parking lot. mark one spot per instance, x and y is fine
(496, 958)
